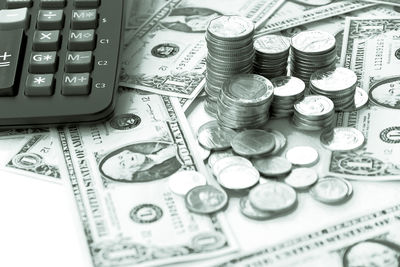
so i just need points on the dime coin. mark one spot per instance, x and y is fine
(273, 196)
(272, 44)
(302, 178)
(222, 163)
(249, 211)
(313, 42)
(272, 166)
(214, 137)
(330, 190)
(238, 177)
(302, 155)
(253, 142)
(182, 182)
(314, 105)
(342, 139)
(206, 199)
(215, 156)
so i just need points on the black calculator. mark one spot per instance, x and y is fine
(58, 60)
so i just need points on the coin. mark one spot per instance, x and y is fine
(272, 44)
(183, 181)
(272, 166)
(330, 190)
(215, 156)
(222, 163)
(214, 137)
(254, 142)
(285, 86)
(314, 105)
(342, 139)
(302, 155)
(231, 27)
(206, 199)
(334, 79)
(280, 141)
(238, 177)
(301, 178)
(249, 211)
(204, 153)
(313, 42)
(273, 196)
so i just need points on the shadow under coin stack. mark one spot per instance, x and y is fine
(230, 51)
(311, 51)
(287, 91)
(338, 84)
(271, 55)
(244, 101)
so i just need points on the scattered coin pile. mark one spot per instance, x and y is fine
(244, 101)
(314, 112)
(230, 51)
(271, 55)
(311, 51)
(287, 91)
(338, 84)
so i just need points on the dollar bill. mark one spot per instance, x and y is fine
(387, 2)
(369, 237)
(166, 55)
(293, 14)
(119, 174)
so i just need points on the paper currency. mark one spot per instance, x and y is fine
(386, 2)
(293, 14)
(368, 240)
(119, 173)
(166, 55)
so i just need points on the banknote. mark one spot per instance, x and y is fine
(387, 2)
(119, 173)
(366, 240)
(166, 55)
(293, 14)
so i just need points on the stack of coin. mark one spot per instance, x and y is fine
(314, 112)
(311, 51)
(337, 83)
(271, 55)
(244, 101)
(230, 51)
(287, 91)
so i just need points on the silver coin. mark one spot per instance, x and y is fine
(330, 190)
(215, 156)
(214, 137)
(238, 177)
(253, 142)
(342, 139)
(280, 141)
(206, 199)
(272, 166)
(273, 196)
(183, 181)
(272, 44)
(334, 79)
(302, 155)
(313, 41)
(222, 163)
(226, 27)
(204, 153)
(285, 86)
(314, 105)
(302, 178)
(249, 211)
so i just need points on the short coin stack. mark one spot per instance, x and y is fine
(271, 55)
(230, 51)
(338, 84)
(314, 112)
(311, 51)
(244, 101)
(287, 91)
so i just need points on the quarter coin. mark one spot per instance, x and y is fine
(330, 190)
(272, 166)
(273, 196)
(206, 199)
(182, 182)
(254, 142)
(214, 137)
(302, 178)
(302, 155)
(342, 139)
(238, 177)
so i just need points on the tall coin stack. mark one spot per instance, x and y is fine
(244, 101)
(230, 51)
(314, 112)
(338, 84)
(271, 55)
(287, 91)
(311, 51)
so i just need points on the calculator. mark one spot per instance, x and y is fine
(58, 61)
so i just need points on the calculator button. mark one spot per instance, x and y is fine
(86, 3)
(14, 18)
(52, 3)
(10, 46)
(79, 61)
(81, 40)
(84, 19)
(46, 40)
(50, 19)
(18, 3)
(39, 85)
(75, 84)
(43, 62)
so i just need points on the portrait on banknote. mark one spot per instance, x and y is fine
(125, 121)
(141, 162)
(386, 93)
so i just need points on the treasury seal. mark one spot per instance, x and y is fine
(146, 213)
